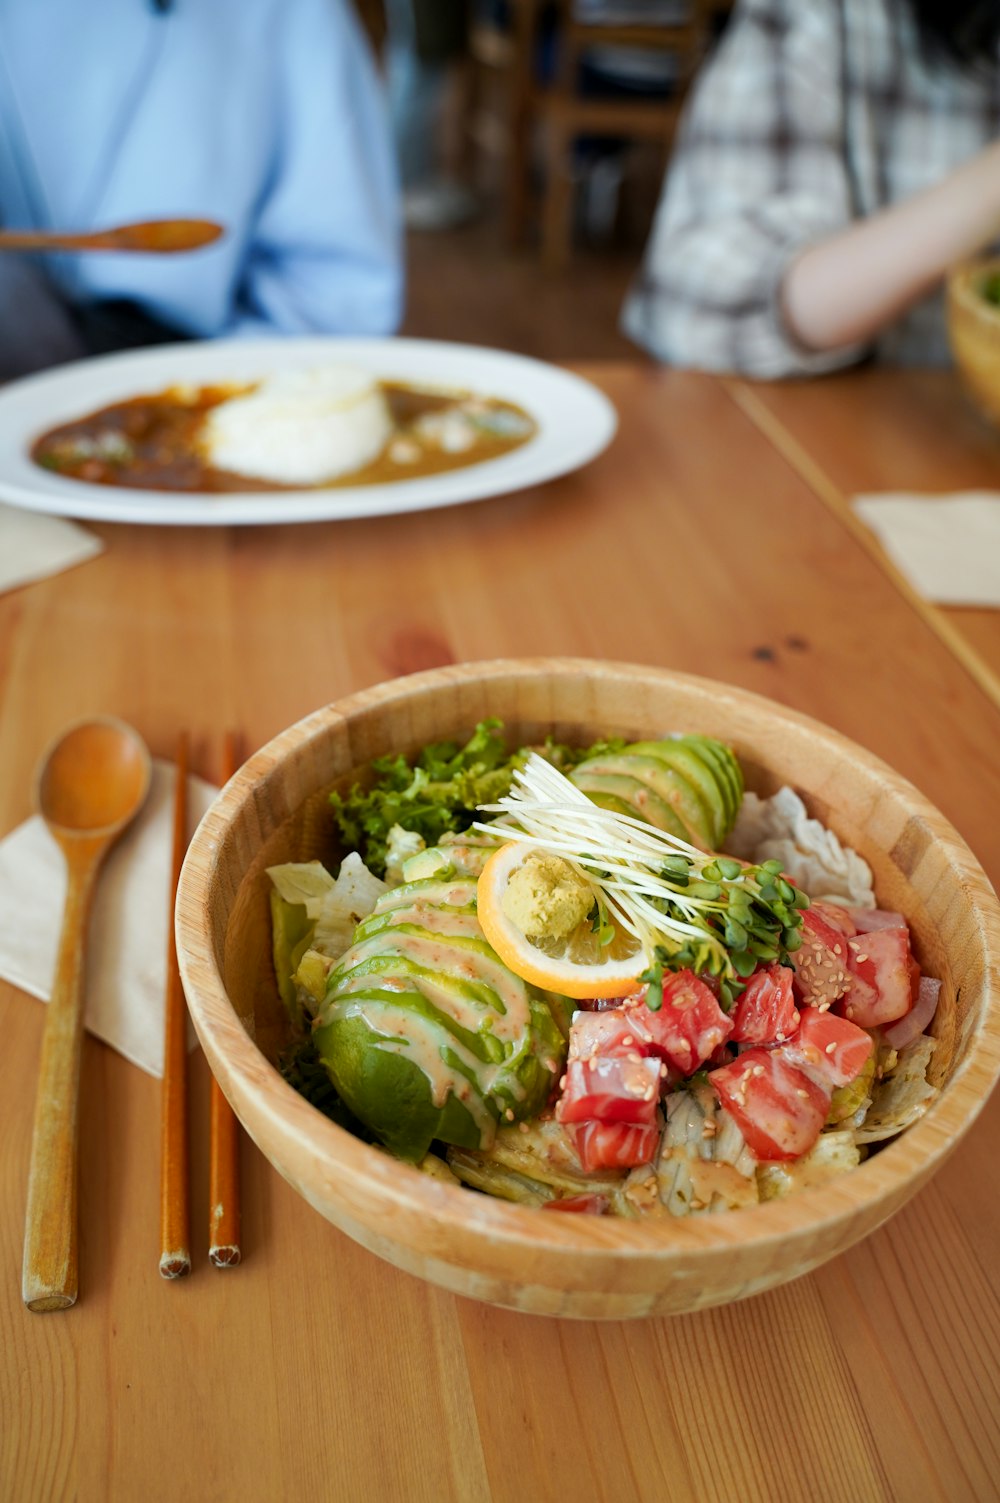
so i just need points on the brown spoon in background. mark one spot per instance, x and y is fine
(161, 236)
(91, 785)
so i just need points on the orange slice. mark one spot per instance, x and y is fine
(575, 965)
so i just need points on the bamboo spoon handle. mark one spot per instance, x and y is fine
(49, 1276)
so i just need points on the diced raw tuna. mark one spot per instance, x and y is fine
(765, 1012)
(828, 1048)
(610, 1088)
(884, 970)
(614, 1145)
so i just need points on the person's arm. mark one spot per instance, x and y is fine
(325, 250)
(847, 288)
(758, 175)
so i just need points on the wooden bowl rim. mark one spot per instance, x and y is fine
(237, 1061)
(963, 289)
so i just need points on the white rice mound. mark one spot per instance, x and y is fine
(300, 427)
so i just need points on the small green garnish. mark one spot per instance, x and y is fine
(750, 919)
(601, 925)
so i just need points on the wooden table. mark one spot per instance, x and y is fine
(882, 430)
(314, 1370)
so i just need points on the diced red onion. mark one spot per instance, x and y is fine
(868, 919)
(920, 1015)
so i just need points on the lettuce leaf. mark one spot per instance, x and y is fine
(438, 791)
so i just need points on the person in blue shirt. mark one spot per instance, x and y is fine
(266, 115)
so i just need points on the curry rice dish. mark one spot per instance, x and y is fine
(295, 430)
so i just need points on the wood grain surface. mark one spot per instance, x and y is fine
(315, 1370)
(879, 430)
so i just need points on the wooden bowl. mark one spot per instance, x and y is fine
(974, 333)
(276, 809)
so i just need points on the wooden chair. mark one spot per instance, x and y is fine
(507, 51)
(568, 113)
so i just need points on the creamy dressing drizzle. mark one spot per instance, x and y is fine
(454, 973)
(453, 894)
(456, 921)
(424, 1041)
(471, 963)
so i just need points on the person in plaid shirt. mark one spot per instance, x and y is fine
(837, 156)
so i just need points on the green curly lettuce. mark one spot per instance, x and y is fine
(438, 791)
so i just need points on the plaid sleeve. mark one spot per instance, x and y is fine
(758, 174)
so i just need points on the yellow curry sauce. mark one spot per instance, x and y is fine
(153, 442)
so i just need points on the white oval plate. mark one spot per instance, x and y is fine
(575, 422)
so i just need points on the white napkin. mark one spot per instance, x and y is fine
(33, 546)
(947, 546)
(127, 938)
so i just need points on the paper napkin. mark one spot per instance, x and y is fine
(127, 938)
(33, 546)
(947, 546)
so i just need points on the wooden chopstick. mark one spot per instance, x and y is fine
(224, 1152)
(175, 1255)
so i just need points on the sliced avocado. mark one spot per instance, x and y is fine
(428, 863)
(699, 816)
(312, 975)
(388, 1092)
(730, 773)
(457, 893)
(703, 775)
(291, 932)
(685, 760)
(708, 764)
(410, 1032)
(385, 977)
(609, 801)
(610, 778)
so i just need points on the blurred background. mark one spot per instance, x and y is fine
(532, 138)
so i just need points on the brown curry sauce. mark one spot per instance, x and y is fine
(152, 443)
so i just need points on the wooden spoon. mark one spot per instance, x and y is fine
(162, 236)
(92, 783)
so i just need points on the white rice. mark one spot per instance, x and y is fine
(300, 427)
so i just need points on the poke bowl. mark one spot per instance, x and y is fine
(277, 810)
